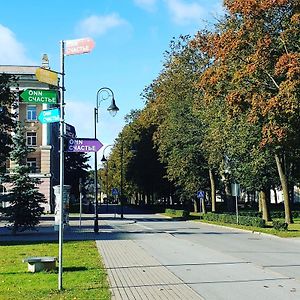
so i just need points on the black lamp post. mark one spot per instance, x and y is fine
(122, 179)
(105, 94)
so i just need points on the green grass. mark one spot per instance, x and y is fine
(293, 229)
(83, 273)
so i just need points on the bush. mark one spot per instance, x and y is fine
(231, 219)
(280, 214)
(177, 213)
(280, 224)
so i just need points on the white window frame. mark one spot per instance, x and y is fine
(31, 138)
(30, 113)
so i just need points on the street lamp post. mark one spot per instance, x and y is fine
(105, 94)
(122, 179)
(103, 159)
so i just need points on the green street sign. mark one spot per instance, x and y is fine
(39, 96)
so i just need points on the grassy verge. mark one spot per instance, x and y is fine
(83, 273)
(293, 229)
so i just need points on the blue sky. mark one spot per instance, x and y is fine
(131, 37)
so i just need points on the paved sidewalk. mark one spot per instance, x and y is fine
(133, 274)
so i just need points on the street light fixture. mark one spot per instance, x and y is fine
(105, 93)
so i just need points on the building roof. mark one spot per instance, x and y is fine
(10, 69)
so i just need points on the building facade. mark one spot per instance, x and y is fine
(43, 138)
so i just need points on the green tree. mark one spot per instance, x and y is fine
(25, 207)
(7, 118)
(255, 69)
(179, 132)
(76, 167)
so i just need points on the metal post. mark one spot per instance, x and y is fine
(113, 110)
(80, 201)
(121, 187)
(96, 226)
(237, 209)
(107, 186)
(61, 162)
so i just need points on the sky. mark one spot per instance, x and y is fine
(130, 38)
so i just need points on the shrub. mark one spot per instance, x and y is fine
(280, 224)
(231, 219)
(179, 213)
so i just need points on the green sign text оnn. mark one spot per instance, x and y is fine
(39, 96)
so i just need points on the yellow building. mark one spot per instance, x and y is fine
(44, 161)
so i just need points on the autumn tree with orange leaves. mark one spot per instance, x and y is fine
(255, 68)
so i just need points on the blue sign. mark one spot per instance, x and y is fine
(49, 116)
(70, 131)
(115, 192)
(200, 194)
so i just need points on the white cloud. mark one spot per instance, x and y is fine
(99, 25)
(146, 4)
(185, 13)
(11, 51)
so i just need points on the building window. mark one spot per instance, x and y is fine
(31, 138)
(31, 113)
(31, 162)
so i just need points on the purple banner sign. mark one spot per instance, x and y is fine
(84, 145)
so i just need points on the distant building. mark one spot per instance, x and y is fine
(44, 161)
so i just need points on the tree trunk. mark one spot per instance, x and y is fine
(275, 195)
(203, 205)
(195, 206)
(264, 205)
(285, 191)
(213, 190)
(260, 208)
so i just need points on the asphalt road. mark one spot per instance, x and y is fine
(216, 262)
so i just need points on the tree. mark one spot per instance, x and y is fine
(25, 207)
(76, 167)
(255, 68)
(178, 131)
(7, 118)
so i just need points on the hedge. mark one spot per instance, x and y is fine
(180, 213)
(231, 219)
(275, 214)
(280, 224)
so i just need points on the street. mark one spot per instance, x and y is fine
(216, 262)
(149, 256)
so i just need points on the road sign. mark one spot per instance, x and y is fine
(49, 116)
(115, 192)
(39, 96)
(46, 76)
(84, 145)
(200, 194)
(235, 189)
(70, 131)
(79, 46)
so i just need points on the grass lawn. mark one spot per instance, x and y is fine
(293, 229)
(83, 273)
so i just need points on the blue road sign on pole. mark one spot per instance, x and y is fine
(70, 131)
(200, 194)
(49, 116)
(115, 192)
